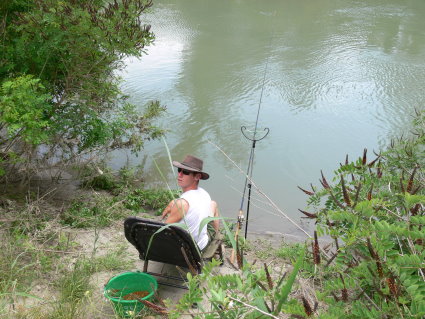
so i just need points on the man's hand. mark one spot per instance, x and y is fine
(167, 209)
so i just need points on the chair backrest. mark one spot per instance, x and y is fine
(166, 246)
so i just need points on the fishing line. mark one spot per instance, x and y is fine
(273, 204)
(248, 179)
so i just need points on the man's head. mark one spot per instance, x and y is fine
(190, 172)
(192, 164)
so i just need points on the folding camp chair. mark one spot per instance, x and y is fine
(172, 245)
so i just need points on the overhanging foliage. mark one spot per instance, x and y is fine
(59, 88)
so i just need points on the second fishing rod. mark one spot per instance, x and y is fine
(248, 185)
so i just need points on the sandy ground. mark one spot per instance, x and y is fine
(114, 236)
(88, 242)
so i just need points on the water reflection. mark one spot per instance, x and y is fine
(342, 76)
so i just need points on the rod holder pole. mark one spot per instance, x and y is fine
(249, 171)
(247, 209)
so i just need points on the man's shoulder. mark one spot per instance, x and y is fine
(180, 203)
(195, 195)
(195, 192)
(203, 191)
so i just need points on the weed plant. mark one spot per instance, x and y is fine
(289, 252)
(100, 177)
(74, 287)
(100, 211)
(251, 292)
(374, 212)
(102, 182)
(28, 220)
(155, 199)
(15, 272)
(82, 215)
(114, 260)
(19, 267)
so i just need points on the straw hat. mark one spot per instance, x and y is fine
(193, 164)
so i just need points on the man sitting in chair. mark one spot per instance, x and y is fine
(195, 203)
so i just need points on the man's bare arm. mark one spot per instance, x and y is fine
(167, 209)
(175, 210)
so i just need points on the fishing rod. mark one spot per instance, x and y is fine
(254, 140)
(248, 185)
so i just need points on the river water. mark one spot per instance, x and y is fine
(334, 77)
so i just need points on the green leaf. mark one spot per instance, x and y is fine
(229, 234)
(412, 200)
(286, 289)
(412, 289)
(207, 220)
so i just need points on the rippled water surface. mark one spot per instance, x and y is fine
(339, 76)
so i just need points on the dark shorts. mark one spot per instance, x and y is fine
(211, 234)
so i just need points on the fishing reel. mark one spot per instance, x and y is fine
(240, 222)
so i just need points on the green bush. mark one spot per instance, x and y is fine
(98, 213)
(60, 96)
(155, 199)
(251, 292)
(99, 176)
(374, 212)
(105, 182)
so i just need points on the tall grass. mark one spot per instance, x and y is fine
(35, 253)
(14, 273)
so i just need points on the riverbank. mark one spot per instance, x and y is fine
(58, 252)
(55, 258)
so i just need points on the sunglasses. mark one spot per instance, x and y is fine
(184, 171)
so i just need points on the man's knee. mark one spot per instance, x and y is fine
(214, 209)
(214, 213)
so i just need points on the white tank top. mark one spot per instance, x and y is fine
(199, 208)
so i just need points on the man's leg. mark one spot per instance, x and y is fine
(216, 242)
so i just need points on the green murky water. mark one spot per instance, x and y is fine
(339, 76)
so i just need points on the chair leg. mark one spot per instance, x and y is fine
(191, 268)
